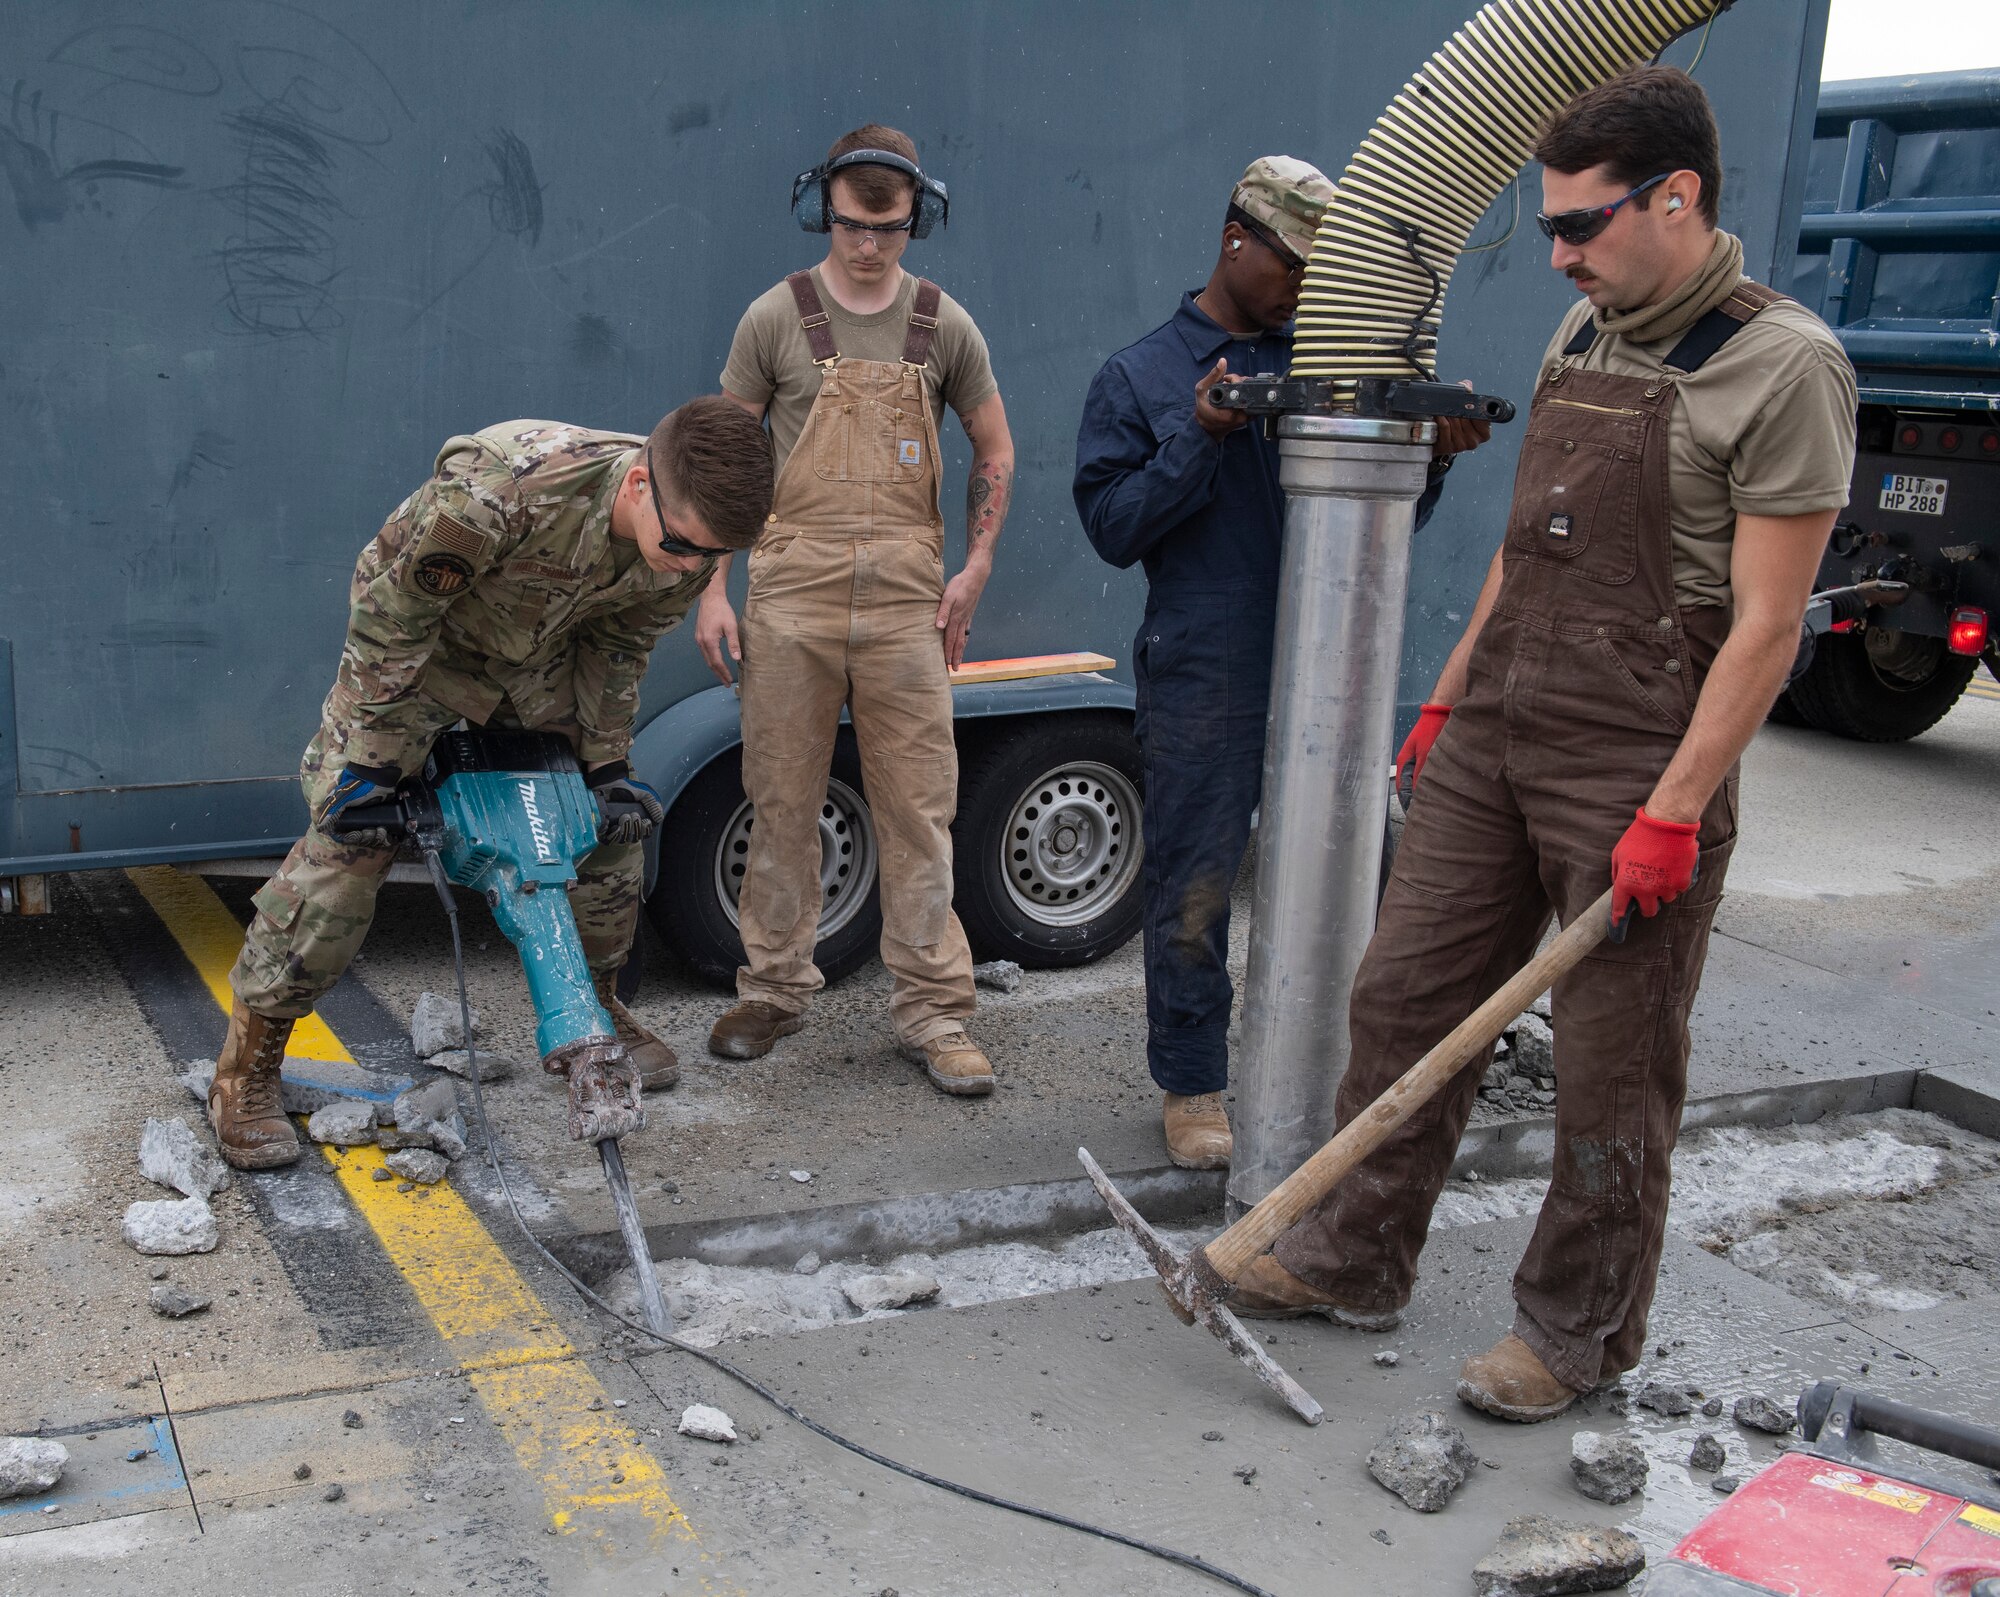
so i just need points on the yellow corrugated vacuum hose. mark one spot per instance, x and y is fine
(1437, 157)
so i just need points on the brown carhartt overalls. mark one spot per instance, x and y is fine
(1581, 686)
(842, 609)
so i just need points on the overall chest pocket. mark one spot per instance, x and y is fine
(1576, 492)
(865, 440)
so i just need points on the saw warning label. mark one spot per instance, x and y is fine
(1874, 1489)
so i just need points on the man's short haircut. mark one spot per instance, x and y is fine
(1642, 123)
(714, 458)
(878, 187)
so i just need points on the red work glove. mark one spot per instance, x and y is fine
(1417, 746)
(1653, 864)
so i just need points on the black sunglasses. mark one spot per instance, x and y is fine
(669, 544)
(849, 225)
(1581, 226)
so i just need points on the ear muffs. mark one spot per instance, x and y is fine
(812, 207)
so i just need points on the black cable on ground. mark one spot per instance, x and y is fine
(1200, 1566)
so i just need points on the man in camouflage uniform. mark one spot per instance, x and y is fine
(524, 585)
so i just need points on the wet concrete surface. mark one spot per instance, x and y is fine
(1806, 984)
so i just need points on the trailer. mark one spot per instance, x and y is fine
(1899, 249)
(262, 260)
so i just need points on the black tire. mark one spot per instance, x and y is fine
(1786, 713)
(1035, 785)
(688, 906)
(1849, 691)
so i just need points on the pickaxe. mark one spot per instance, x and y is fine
(1199, 1285)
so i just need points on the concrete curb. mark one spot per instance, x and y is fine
(1966, 1095)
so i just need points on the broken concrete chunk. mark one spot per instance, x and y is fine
(706, 1424)
(894, 1289)
(30, 1464)
(1725, 1484)
(1541, 1557)
(421, 1165)
(295, 1097)
(171, 1154)
(1002, 975)
(492, 1066)
(347, 1123)
(1608, 1468)
(1388, 1358)
(1759, 1413)
(1712, 1408)
(169, 1225)
(428, 1116)
(435, 1026)
(808, 1264)
(1707, 1452)
(1663, 1399)
(171, 1302)
(1534, 1047)
(1423, 1459)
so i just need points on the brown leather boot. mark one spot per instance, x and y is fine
(1197, 1131)
(1268, 1291)
(748, 1029)
(954, 1062)
(656, 1063)
(1509, 1381)
(244, 1105)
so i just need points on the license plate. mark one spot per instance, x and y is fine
(1913, 496)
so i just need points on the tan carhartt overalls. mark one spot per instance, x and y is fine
(844, 590)
(1580, 688)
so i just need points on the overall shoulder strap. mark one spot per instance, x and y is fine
(813, 318)
(923, 324)
(1708, 335)
(1581, 340)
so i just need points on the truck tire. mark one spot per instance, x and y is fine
(1046, 845)
(703, 844)
(1880, 687)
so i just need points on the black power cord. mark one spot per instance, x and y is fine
(1200, 1566)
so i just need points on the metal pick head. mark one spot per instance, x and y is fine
(1192, 1304)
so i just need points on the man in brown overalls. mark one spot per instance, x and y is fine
(854, 362)
(1690, 442)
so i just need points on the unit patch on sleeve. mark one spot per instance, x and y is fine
(444, 576)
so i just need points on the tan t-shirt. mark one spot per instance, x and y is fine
(771, 364)
(1765, 426)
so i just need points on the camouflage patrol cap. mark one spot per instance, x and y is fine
(1286, 196)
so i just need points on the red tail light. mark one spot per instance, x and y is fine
(1966, 632)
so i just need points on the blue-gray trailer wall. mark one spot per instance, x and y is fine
(261, 259)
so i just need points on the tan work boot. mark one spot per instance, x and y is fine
(748, 1029)
(244, 1102)
(1509, 1381)
(1268, 1291)
(954, 1063)
(1197, 1131)
(658, 1068)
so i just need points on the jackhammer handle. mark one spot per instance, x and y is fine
(384, 814)
(1301, 1191)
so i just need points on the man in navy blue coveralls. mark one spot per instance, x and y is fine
(1166, 478)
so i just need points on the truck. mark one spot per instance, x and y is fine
(1899, 250)
(263, 260)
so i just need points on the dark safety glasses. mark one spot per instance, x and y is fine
(1580, 227)
(669, 544)
(855, 229)
(1294, 264)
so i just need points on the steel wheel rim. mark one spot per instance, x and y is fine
(846, 857)
(1070, 847)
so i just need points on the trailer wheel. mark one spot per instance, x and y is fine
(1880, 687)
(1047, 840)
(703, 846)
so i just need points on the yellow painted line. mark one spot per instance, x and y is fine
(1983, 690)
(596, 1475)
(210, 937)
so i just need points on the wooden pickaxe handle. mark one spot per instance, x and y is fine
(1230, 1254)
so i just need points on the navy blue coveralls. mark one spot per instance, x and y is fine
(1206, 518)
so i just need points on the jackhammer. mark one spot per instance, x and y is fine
(508, 815)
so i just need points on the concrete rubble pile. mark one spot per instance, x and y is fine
(437, 1037)
(172, 1156)
(1521, 1079)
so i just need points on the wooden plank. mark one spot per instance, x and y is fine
(1033, 665)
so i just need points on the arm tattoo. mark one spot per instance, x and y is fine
(986, 498)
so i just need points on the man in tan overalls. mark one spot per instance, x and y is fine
(853, 363)
(1690, 441)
